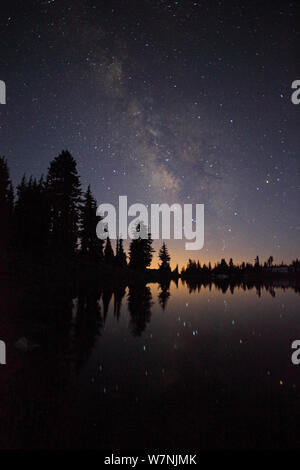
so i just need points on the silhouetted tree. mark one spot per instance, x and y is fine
(108, 252)
(63, 188)
(91, 245)
(296, 265)
(120, 258)
(165, 259)
(6, 205)
(175, 272)
(141, 253)
(30, 219)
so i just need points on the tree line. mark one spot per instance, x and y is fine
(194, 268)
(52, 218)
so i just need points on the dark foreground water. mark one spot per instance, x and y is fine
(151, 367)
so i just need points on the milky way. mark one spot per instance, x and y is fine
(174, 101)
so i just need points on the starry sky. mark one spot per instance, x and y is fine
(164, 101)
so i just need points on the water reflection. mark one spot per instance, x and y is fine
(195, 285)
(164, 293)
(87, 323)
(139, 306)
(189, 365)
(119, 293)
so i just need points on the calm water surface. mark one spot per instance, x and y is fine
(154, 368)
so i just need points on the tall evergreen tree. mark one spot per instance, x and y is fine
(91, 245)
(30, 220)
(164, 259)
(141, 253)
(6, 205)
(120, 258)
(256, 263)
(176, 271)
(164, 293)
(108, 252)
(63, 187)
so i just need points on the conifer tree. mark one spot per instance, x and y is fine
(30, 218)
(120, 258)
(108, 252)
(141, 252)
(91, 245)
(164, 258)
(6, 205)
(63, 187)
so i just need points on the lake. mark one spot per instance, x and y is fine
(152, 367)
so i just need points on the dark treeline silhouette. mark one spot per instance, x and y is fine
(48, 226)
(224, 270)
(52, 222)
(224, 285)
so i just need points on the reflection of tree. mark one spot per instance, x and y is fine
(88, 323)
(164, 293)
(223, 285)
(271, 291)
(139, 306)
(118, 296)
(106, 298)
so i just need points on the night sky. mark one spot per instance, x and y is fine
(164, 101)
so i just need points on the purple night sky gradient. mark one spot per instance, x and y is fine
(164, 101)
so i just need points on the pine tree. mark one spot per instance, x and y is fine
(91, 245)
(63, 187)
(223, 266)
(165, 259)
(141, 253)
(120, 258)
(148, 251)
(30, 218)
(108, 252)
(256, 263)
(6, 205)
(176, 271)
